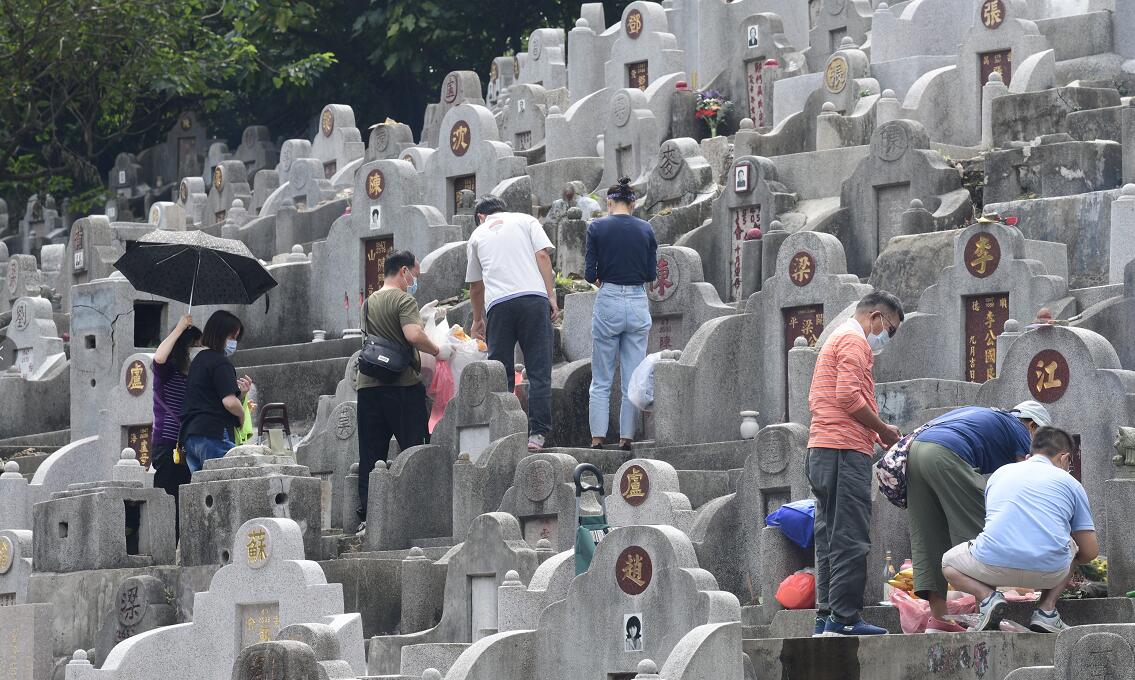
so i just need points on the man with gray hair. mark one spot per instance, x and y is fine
(841, 440)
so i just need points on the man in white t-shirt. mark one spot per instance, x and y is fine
(514, 301)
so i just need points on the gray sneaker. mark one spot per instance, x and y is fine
(362, 530)
(991, 610)
(535, 442)
(1043, 622)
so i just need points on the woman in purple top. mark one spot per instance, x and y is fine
(170, 367)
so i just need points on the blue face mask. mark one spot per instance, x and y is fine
(230, 347)
(412, 289)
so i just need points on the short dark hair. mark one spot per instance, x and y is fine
(218, 329)
(633, 621)
(622, 192)
(489, 204)
(179, 356)
(1052, 441)
(396, 260)
(881, 298)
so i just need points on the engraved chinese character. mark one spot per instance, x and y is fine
(989, 320)
(459, 139)
(135, 381)
(257, 545)
(991, 14)
(374, 184)
(1046, 376)
(663, 280)
(792, 322)
(991, 355)
(806, 328)
(801, 268)
(982, 256)
(634, 483)
(634, 23)
(632, 570)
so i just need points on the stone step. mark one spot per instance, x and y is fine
(440, 542)
(440, 655)
(801, 623)
(900, 657)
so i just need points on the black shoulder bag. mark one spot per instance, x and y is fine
(382, 358)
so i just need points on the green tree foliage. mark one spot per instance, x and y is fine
(81, 80)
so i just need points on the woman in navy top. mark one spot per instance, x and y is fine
(621, 258)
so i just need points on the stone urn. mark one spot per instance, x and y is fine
(749, 425)
(318, 336)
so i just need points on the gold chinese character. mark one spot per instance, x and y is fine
(819, 319)
(982, 256)
(792, 322)
(989, 320)
(990, 338)
(991, 14)
(990, 373)
(265, 635)
(985, 60)
(632, 570)
(374, 184)
(806, 328)
(257, 545)
(459, 138)
(5, 553)
(975, 306)
(1046, 376)
(634, 23)
(1003, 303)
(801, 268)
(634, 483)
(972, 376)
(135, 382)
(991, 355)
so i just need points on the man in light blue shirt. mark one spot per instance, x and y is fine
(1038, 526)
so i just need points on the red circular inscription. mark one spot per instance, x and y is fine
(460, 137)
(982, 254)
(633, 24)
(634, 486)
(802, 268)
(1048, 376)
(633, 570)
(376, 183)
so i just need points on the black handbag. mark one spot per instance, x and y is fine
(382, 358)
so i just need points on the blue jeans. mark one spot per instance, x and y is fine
(199, 448)
(620, 325)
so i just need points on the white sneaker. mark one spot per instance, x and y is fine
(1043, 622)
(362, 531)
(991, 610)
(535, 442)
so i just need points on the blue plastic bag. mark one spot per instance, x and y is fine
(796, 520)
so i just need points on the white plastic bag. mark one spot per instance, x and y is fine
(641, 390)
(437, 329)
(466, 350)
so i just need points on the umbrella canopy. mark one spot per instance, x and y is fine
(195, 268)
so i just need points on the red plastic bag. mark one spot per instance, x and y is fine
(798, 591)
(441, 390)
(914, 614)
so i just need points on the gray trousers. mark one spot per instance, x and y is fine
(841, 483)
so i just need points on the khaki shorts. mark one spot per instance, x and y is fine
(959, 558)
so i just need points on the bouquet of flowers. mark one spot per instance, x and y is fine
(711, 108)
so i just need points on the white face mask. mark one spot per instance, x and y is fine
(878, 341)
(230, 347)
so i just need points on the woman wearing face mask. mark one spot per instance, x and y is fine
(213, 410)
(170, 367)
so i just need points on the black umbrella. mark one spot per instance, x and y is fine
(195, 268)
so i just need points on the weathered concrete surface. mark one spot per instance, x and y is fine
(961, 655)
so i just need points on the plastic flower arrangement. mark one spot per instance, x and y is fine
(712, 107)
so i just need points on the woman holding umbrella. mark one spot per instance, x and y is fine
(170, 366)
(213, 408)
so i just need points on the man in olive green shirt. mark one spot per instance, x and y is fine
(394, 408)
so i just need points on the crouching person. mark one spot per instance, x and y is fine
(1038, 527)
